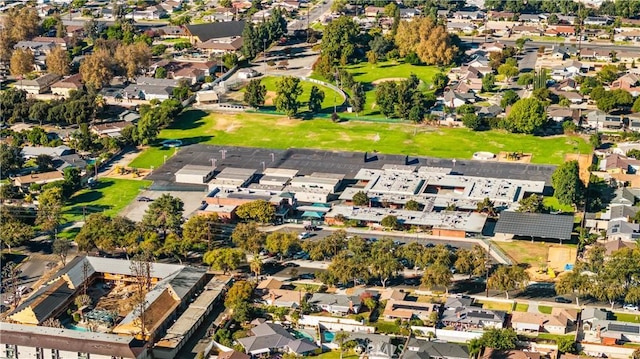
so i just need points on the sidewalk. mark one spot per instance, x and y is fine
(406, 235)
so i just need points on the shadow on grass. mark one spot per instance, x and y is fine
(188, 120)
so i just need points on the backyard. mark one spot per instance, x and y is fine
(269, 131)
(110, 196)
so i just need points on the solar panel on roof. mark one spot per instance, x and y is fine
(481, 315)
(624, 328)
(539, 225)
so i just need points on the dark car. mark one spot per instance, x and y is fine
(291, 265)
(562, 300)
(144, 199)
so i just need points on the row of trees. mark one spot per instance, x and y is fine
(256, 38)
(112, 58)
(287, 100)
(608, 280)
(403, 99)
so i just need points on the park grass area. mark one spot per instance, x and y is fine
(544, 309)
(627, 317)
(524, 251)
(109, 196)
(521, 307)
(331, 97)
(554, 205)
(278, 132)
(368, 74)
(335, 354)
(491, 305)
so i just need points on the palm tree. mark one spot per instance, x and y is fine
(256, 265)
(487, 206)
(341, 338)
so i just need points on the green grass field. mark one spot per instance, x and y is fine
(521, 307)
(544, 309)
(331, 97)
(506, 307)
(110, 196)
(627, 317)
(258, 130)
(553, 203)
(368, 73)
(335, 354)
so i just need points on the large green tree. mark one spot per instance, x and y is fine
(316, 96)
(254, 93)
(288, 89)
(50, 203)
(507, 278)
(567, 186)
(164, 214)
(224, 259)
(527, 116)
(339, 39)
(259, 210)
(248, 237)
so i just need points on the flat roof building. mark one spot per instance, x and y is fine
(194, 174)
(232, 177)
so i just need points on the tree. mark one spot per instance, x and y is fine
(440, 81)
(133, 58)
(357, 98)
(96, 68)
(49, 208)
(287, 91)
(229, 59)
(500, 339)
(390, 222)
(224, 259)
(486, 206)
(386, 97)
(256, 265)
(61, 247)
(508, 71)
(248, 237)
(568, 188)
(384, 265)
(507, 278)
(509, 97)
(254, 93)
(360, 199)
(316, 96)
(58, 62)
(341, 338)
(412, 205)
(573, 282)
(608, 74)
(199, 228)
(429, 40)
(22, 24)
(488, 82)
(339, 39)
(183, 91)
(472, 121)
(22, 62)
(14, 232)
(164, 214)
(527, 116)
(437, 275)
(259, 210)
(10, 159)
(531, 204)
(281, 243)
(239, 293)
(44, 162)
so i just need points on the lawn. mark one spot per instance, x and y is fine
(110, 196)
(554, 337)
(259, 130)
(524, 251)
(369, 73)
(505, 307)
(335, 354)
(553, 203)
(521, 307)
(627, 317)
(385, 327)
(544, 309)
(331, 97)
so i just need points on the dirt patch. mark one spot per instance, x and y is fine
(226, 123)
(127, 173)
(559, 257)
(387, 79)
(514, 157)
(269, 98)
(584, 162)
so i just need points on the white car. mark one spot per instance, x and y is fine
(304, 235)
(631, 307)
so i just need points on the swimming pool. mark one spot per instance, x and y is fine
(327, 336)
(300, 334)
(70, 325)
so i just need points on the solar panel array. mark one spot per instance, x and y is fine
(623, 328)
(539, 225)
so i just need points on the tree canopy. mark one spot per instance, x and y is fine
(567, 185)
(527, 116)
(430, 41)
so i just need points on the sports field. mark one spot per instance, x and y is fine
(257, 130)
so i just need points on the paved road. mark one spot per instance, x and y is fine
(315, 14)
(536, 44)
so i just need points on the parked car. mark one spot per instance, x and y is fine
(144, 199)
(562, 300)
(304, 235)
(631, 307)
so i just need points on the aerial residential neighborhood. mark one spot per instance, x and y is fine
(281, 179)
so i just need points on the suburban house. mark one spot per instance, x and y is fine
(426, 349)
(561, 114)
(620, 212)
(282, 297)
(39, 85)
(490, 353)
(603, 121)
(406, 310)
(29, 152)
(619, 164)
(271, 337)
(455, 99)
(109, 129)
(66, 85)
(623, 230)
(463, 318)
(616, 332)
(591, 315)
(38, 178)
(616, 245)
(628, 82)
(557, 323)
(57, 41)
(216, 37)
(336, 303)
